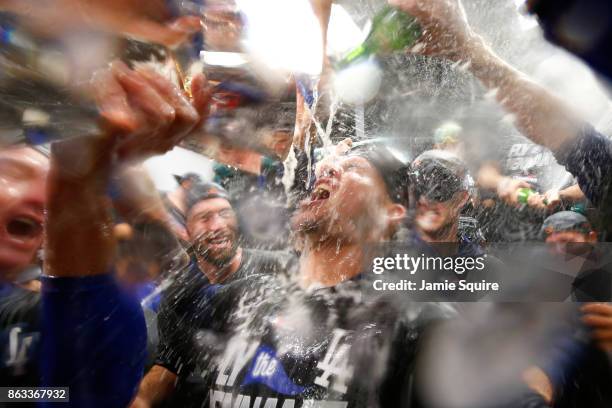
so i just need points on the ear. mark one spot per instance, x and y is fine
(395, 214)
(592, 237)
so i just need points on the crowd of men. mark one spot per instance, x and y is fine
(130, 297)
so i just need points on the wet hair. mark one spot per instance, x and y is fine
(438, 175)
(392, 170)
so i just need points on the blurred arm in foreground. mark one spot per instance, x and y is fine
(143, 115)
(540, 115)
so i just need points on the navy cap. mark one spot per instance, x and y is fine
(204, 191)
(188, 176)
(565, 221)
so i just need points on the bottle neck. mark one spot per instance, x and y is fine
(359, 52)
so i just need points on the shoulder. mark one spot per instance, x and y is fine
(17, 304)
(588, 143)
(257, 261)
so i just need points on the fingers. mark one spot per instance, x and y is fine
(598, 308)
(522, 184)
(146, 110)
(597, 321)
(186, 116)
(344, 146)
(201, 93)
(599, 317)
(113, 102)
(144, 98)
(187, 25)
(180, 30)
(604, 335)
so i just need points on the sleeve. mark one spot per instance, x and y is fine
(589, 159)
(94, 340)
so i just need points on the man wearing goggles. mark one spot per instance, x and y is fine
(441, 182)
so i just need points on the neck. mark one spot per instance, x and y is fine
(330, 262)
(219, 274)
(448, 233)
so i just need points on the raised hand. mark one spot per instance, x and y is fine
(144, 113)
(599, 317)
(445, 28)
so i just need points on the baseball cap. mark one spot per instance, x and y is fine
(204, 191)
(393, 171)
(188, 176)
(438, 175)
(565, 221)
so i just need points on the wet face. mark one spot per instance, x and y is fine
(187, 184)
(277, 141)
(213, 230)
(568, 236)
(23, 175)
(349, 200)
(564, 242)
(435, 216)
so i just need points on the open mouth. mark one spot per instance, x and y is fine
(23, 227)
(219, 242)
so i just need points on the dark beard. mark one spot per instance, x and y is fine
(217, 259)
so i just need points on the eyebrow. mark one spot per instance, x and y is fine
(208, 212)
(17, 164)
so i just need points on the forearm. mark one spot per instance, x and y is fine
(155, 387)
(540, 115)
(78, 223)
(322, 10)
(489, 177)
(572, 194)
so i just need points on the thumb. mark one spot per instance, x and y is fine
(186, 24)
(523, 184)
(201, 92)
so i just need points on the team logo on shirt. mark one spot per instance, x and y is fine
(334, 372)
(19, 350)
(335, 365)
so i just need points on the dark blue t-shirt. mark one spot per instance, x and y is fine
(94, 340)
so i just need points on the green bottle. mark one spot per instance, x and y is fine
(392, 30)
(523, 194)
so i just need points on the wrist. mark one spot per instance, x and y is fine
(473, 48)
(484, 63)
(83, 159)
(502, 184)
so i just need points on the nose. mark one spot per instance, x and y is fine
(329, 169)
(216, 223)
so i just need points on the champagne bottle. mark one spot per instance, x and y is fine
(392, 30)
(524, 194)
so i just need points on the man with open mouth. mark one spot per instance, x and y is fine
(315, 340)
(23, 173)
(201, 298)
